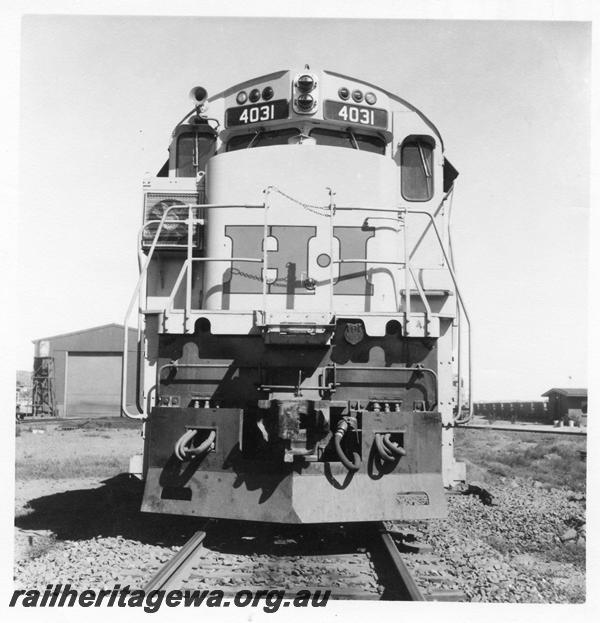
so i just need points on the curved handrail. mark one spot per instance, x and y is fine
(143, 269)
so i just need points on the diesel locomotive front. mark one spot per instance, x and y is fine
(300, 319)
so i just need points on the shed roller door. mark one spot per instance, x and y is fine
(93, 384)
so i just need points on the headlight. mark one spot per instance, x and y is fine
(306, 101)
(370, 98)
(357, 95)
(305, 83)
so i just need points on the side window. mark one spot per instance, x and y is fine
(416, 168)
(193, 150)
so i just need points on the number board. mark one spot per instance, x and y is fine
(256, 113)
(363, 115)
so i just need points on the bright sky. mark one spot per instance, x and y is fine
(100, 97)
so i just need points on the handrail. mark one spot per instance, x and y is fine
(393, 368)
(143, 270)
(134, 298)
(405, 210)
(466, 315)
(187, 271)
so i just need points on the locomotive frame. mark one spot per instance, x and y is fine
(299, 314)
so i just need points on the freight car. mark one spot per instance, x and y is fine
(300, 320)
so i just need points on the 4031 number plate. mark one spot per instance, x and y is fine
(257, 113)
(350, 113)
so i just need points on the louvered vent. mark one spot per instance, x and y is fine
(172, 235)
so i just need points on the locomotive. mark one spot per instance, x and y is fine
(299, 317)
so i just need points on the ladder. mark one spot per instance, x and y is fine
(42, 399)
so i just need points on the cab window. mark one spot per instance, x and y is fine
(193, 151)
(261, 138)
(416, 169)
(349, 139)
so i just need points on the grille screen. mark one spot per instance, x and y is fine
(172, 235)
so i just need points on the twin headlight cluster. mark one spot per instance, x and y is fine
(306, 94)
(305, 97)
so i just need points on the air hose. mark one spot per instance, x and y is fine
(381, 449)
(183, 451)
(341, 430)
(392, 447)
(387, 449)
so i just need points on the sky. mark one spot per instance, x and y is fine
(100, 95)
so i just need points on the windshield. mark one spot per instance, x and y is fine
(350, 139)
(260, 138)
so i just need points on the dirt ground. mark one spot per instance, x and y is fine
(72, 485)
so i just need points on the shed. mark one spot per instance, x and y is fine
(565, 402)
(84, 370)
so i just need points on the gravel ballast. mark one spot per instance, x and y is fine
(528, 546)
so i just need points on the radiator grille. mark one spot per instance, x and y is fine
(172, 235)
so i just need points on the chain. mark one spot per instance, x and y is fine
(240, 273)
(315, 209)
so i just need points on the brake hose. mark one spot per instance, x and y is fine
(392, 447)
(337, 439)
(387, 449)
(381, 449)
(183, 451)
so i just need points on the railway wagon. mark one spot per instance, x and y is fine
(299, 317)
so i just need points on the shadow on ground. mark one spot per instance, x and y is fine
(107, 511)
(112, 510)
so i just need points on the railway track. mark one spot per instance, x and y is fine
(360, 562)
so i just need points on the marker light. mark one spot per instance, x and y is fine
(305, 101)
(267, 93)
(241, 98)
(357, 95)
(344, 93)
(305, 83)
(254, 95)
(370, 98)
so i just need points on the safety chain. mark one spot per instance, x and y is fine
(240, 273)
(315, 209)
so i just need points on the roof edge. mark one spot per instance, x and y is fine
(69, 333)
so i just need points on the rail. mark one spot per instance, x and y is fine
(401, 214)
(370, 547)
(404, 579)
(176, 567)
